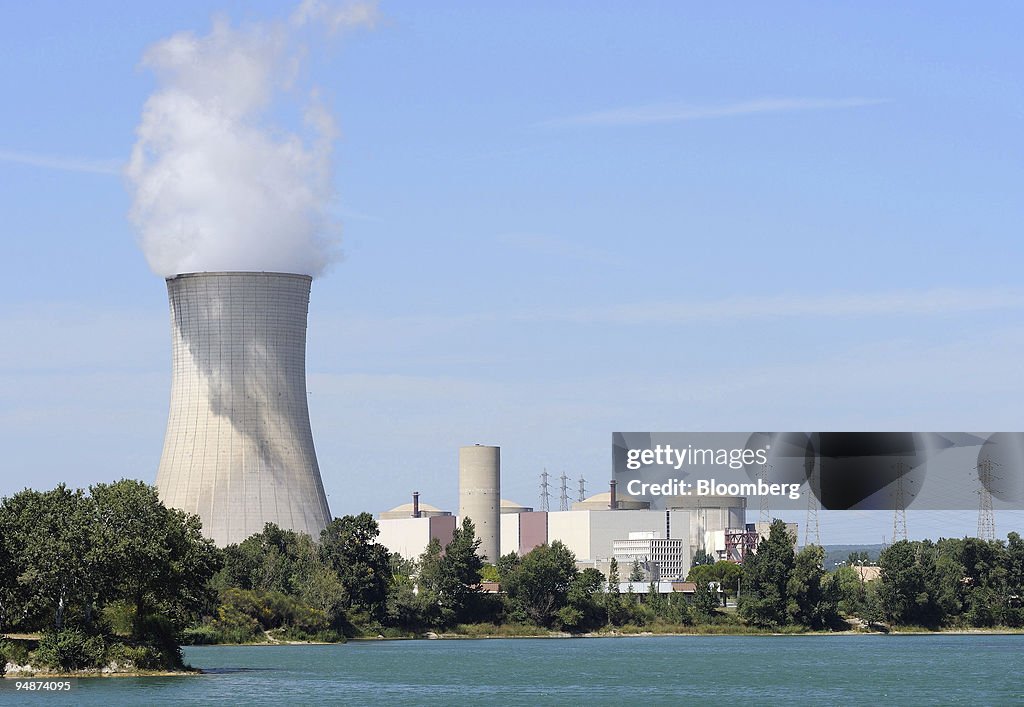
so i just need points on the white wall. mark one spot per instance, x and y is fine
(406, 536)
(573, 529)
(509, 533)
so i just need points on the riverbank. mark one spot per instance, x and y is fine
(27, 672)
(21, 659)
(480, 631)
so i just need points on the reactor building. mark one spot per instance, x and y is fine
(238, 451)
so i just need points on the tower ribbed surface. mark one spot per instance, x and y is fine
(238, 451)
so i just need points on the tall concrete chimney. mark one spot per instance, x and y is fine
(613, 502)
(480, 495)
(415, 504)
(238, 451)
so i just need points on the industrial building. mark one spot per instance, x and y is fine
(238, 450)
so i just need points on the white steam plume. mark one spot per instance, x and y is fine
(216, 185)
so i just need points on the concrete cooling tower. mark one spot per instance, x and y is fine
(480, 495)
(239, 450)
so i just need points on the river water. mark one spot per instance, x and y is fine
(907, 669)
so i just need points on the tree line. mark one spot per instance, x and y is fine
(112, 574)
(950, 583)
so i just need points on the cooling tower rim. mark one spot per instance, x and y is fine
(238, 273)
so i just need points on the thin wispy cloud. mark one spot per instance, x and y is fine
(935, 302)
(680, 112)
(910, 303)
(64, 164)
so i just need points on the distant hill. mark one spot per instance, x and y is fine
(835, 554)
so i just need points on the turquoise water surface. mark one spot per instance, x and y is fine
(737, 670)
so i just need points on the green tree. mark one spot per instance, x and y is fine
(705, 602)
(506, 563)
(616, 611)
(725, 573)
(453, 578)
(348, 546)
(812, 595)
(985, 581)
(702, 558)
(858, 558)
(584, 608)
(273, 560)
(917, 587)
(8, 589)
(851, 591)
(324, 592)
(539, 585)
(154, 557)
(1014, 563)
(636, 574)
(766, 576)
(54, 558)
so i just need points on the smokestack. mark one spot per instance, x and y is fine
(415, 504)
(612, 502)
(480, 494)
(239, 450)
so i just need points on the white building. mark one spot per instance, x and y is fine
(669, 554)
(591, 535)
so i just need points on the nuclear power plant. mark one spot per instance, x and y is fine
(238, 450)
(606, 526)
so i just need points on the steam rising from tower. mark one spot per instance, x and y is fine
(221, 178)
(239, 450)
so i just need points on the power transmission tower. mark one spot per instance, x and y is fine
(563, 498)
(812, 533)
(899, 520)
(545, 492)
(986, 516)
(765, 515)
(583, 490)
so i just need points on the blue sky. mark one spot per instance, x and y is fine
(559, 220)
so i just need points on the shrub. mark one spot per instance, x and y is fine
(292, 633)
(142, 657)
(120, 617)
(13, 652)
(201, 635)
(69, 649)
